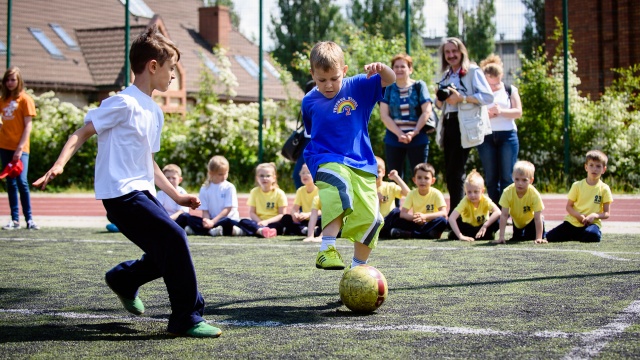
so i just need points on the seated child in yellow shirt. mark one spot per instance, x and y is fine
(388, 192)
(297, 222)
(424, 212)
(476, 216)
(523, 202)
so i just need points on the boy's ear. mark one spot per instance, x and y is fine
(433, 180)
(344, 70)
(153, 66)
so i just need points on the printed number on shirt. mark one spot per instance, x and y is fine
(430, 207)
(598, 199)
(526, 209)
(480, 219)
(271, 205)
(385, 198)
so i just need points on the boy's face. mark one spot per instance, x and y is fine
(219, 175)
(164, 74)
(305, 175)
(381, 173)
(521, 182)
(474, 192)
(173, 178)
(594, 169)
(329, 82)
(423, 180)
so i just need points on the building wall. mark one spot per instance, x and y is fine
(606, 34)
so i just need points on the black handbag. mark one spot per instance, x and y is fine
(295, 144)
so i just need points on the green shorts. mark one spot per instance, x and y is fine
(353, 194)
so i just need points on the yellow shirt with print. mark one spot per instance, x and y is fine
(521, 209)
(475, 216)
(267, 203)
(390, 191)
(588, 199)
(304, 198)
(424, 204)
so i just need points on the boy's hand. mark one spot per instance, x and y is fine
(46, 178)
(373, 68)
(393, 174)
(481, 232)
(499, 241)
(590, 219)
(207, 223)
(540, 241)
(418, 218)
(191, 201)
(466, 238)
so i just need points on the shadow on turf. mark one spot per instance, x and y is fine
(497, 282)
(111, 331)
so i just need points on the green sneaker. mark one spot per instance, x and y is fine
(134, 306)
(202, 330)
(329, 259)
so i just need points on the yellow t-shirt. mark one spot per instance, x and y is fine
(13, 113)
(316, 203)
(588, 199)
(426, 204)
(472, 215)
(521, 209)
(267, 203)
(390, 191)
(304, 198)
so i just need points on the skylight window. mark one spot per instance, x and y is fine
(3, 48)
(64, 36)
(46, 43)
(139, 8)
(249, 65)
(207, 62)
(271, 68)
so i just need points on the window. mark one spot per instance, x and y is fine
(139, 8)
(271, 69)
(3, 48)
(508, 48)
(64, 36)
(249, 65)
(207, 62)
(46, 43)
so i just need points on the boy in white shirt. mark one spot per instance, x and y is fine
(173, 173)
(129, 126)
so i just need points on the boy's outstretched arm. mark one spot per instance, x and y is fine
(72, 145)
(504, 216)
(495, 215)
(573, 212)
(161, 181)
(387, 76)
(537, 217)
(393, 175)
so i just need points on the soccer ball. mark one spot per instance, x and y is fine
(363, 289)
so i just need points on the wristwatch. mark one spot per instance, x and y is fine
(464, 99)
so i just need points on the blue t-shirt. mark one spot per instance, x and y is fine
(339, 126)
(403, 109)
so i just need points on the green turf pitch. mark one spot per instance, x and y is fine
(447, 299)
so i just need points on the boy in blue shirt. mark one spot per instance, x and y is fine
(128, 126)
(339, 156)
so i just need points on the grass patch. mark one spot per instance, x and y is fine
(447, 299)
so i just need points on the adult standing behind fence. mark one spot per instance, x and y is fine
(462, 92)
(18, 109)
(404, 111)
(499, 151)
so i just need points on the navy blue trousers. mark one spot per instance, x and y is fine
(143, 220)
(567, 232)
(471, 231)
(431, 230)
(527, 233)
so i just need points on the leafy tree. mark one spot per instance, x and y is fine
(301, 23)
(533, 35)
(480, 30)
(453, 22)
(387, 18)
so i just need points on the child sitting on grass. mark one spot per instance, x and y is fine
(388, 192)
(428, 217)
(297, 223)
(476, 215)
(589, 203)
(523, 202)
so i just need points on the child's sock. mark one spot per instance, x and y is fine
(326, 241)
(355, 262)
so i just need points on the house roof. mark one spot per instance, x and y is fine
(97, 26)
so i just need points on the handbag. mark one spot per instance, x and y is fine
(432, 121)
(295, 144)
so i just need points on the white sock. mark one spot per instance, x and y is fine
(326, 241)
(355, 262)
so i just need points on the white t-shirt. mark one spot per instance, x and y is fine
(128, 126)
(215, 197)
(501, 98)
(168, 204)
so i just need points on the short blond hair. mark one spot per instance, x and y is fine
(381, 163)
(474, 178)
(172, 168)
(218, 162)
(596, 155)
(525, 168)
(326, 55)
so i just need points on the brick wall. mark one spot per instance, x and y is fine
(606, 34)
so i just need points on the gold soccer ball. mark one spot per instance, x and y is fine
(363, 289)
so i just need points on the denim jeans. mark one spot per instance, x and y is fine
(19, 184)
(498, 153)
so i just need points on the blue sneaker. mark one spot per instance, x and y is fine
(112, 228)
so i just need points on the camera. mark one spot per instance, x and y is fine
(444, 91)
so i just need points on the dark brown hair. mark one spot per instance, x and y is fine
(151, 45)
